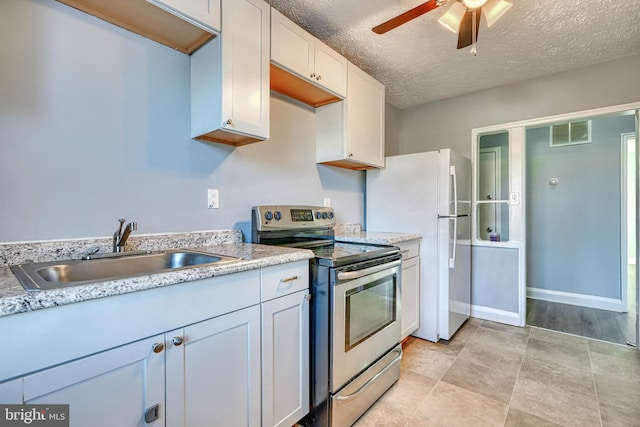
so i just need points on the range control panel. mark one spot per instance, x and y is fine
(288, 217)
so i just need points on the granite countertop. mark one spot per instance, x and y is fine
(354, 234)
(14, 299)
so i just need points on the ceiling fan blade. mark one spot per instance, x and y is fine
(465, 32)
(405, 17)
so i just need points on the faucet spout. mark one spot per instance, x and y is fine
(122, 234)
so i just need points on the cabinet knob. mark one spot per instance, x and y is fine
(228, 122)
(308, 297)
(157, 347)
(319, 78)
(177, 341)
(312, 75)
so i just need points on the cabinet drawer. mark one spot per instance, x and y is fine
(410, 249)
(284, 279)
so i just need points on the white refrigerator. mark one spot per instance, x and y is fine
(429, 194)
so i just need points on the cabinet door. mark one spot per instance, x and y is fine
(245, 67)
(292, 47)
(330, 68)
(365, 118)
(213, 372)
(285, 360)
(201, 13)
(112, 388)
(410, 296)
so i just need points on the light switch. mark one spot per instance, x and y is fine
(213, 198)
(514, 198)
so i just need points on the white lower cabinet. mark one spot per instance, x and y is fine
(285, 360)
(285, 343)
(113, 388)
(247, 366)
(213, 372)
(410, 297)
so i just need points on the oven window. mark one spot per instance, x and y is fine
(369, 309)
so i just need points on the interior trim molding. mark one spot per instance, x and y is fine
(591, 301)
(495, 315)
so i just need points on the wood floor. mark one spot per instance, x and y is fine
(587, 322)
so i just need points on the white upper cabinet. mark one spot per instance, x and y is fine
(184, 25)
(201, 13)
(305, 68)
(350, 134)
(230, 78)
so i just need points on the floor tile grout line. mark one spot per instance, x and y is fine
(595, 388)
(516, 380)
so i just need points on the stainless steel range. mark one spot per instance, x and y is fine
(355, 311)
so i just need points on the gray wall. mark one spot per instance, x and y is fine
(573, 229)
(448, 123)
(94, 126)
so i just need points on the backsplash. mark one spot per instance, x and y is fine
(19, 253)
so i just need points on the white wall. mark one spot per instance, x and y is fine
(448, 123)
(94, 126)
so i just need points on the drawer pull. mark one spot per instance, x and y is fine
(290, 279)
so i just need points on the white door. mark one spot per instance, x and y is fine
(245, 66)
(213, 372)
(285, 360)
(330, 68)
(131, 376)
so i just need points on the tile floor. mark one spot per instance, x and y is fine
(491, 374)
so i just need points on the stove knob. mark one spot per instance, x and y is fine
(277, 215)
(330, 215)
(318, 215)
(324, 215)
(268, 216)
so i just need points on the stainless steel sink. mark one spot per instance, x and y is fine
(61, 274)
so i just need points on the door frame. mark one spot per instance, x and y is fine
(625, 139)
(517, 175)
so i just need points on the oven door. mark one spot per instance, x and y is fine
(365, 317)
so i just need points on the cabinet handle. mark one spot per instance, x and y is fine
(177, 341)
(290, 279)
(157, 347)
(228, 122)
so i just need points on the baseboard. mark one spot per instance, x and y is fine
(495, 315)
(582, 300)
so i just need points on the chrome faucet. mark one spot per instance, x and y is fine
(120, 236)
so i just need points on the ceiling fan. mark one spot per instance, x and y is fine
(463, 17)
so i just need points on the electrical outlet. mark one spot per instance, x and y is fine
(213, 198)
(327, 202)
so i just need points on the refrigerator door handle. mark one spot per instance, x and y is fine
(452, 260)
(452, 172)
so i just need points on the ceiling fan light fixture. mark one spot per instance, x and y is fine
(451, 20)
(494, 9)
(474, 4)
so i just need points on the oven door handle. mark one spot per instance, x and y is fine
(350, 275)
(366, 385)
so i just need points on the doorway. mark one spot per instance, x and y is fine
(578, 233)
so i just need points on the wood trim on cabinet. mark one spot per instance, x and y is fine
(348, 164)
(295, 87)
(229, 138)
(147, 20)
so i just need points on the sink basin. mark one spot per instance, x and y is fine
(61, 274)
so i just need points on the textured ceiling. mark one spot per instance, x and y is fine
(418, 62)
